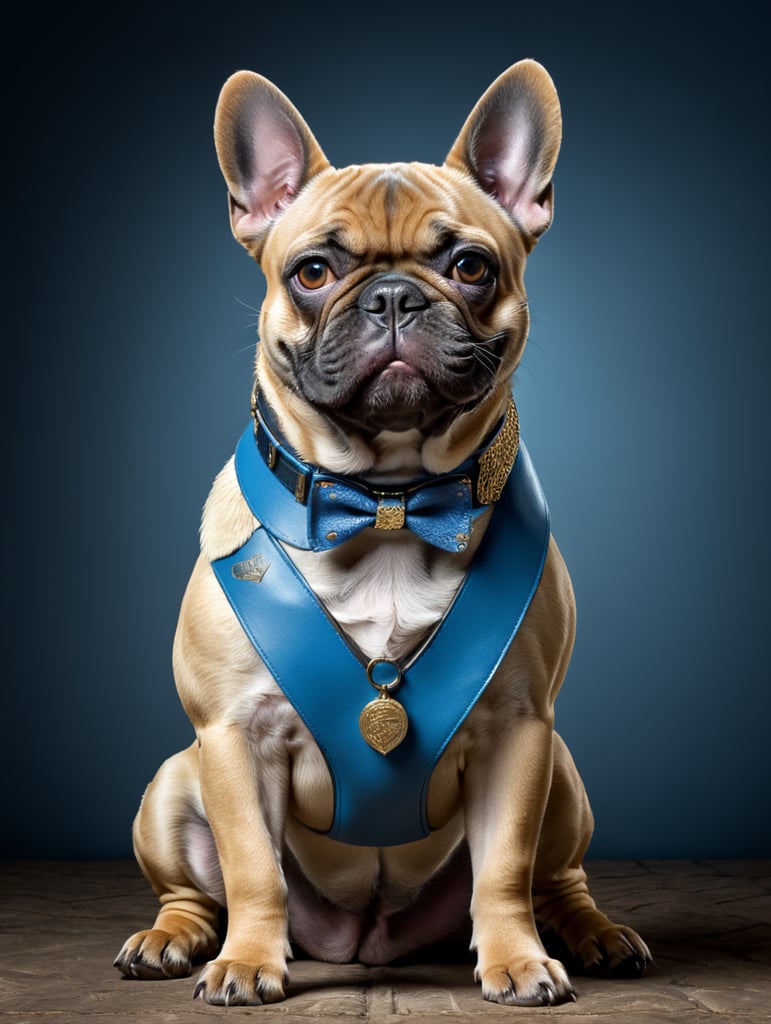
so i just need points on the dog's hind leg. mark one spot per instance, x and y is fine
(176, 852)
(563, 905)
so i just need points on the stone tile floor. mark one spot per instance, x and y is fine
(708, 924)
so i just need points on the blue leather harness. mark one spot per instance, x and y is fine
(381, 800)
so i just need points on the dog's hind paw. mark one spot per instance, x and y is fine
(154, 955)
(614, 952)
(231, 983)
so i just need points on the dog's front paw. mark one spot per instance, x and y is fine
(155, 954)
(234, 983)
(540, 982)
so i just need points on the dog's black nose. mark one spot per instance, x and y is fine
(391, 300)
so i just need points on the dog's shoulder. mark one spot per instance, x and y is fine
(227, 521)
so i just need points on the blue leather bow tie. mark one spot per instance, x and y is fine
(438, 511)
(315, 510)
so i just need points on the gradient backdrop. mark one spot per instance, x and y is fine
(128, 331)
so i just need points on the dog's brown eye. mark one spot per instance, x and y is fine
(471, 268)
(314, 274)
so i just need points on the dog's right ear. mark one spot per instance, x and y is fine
(266, 152)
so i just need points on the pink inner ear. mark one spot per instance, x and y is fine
(279, 161)
(277, 165)
(507, 167)
(505, 177)
(511, 184)
(279, 186)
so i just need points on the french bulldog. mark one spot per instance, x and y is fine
(395, 316)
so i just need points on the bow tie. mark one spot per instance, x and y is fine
(315, 510)
(439, 511)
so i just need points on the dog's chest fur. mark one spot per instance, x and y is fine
(384, 593)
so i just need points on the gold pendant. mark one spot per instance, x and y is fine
(383, 723)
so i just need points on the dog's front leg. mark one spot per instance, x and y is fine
(506, 785)
(251, 967)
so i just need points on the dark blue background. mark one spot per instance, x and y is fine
(129, 324)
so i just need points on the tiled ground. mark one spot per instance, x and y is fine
(707, 923)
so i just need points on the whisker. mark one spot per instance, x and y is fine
(486, 358)
(524, 369)
(244, 348)
(246, 305)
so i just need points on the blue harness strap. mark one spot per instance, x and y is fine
(381, 800)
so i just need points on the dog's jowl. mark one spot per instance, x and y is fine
(374, 635)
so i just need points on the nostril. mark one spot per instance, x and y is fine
(411, 301)
(374, 303)
(393, 297)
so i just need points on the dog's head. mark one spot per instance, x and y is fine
(395, 305)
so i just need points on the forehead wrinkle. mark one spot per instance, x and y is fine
(402, 214)
(390, 212)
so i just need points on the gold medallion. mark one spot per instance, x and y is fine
(383, 723)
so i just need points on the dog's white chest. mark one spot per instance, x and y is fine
(385, 596)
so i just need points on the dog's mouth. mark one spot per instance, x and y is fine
(399, 369)
(419, 376)
(396, 397)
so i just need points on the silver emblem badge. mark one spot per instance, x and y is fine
(253, 569)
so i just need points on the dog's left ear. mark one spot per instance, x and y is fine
(266, 153)
(510, 143)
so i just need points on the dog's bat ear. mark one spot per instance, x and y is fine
(266, 152)
(510, 142)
